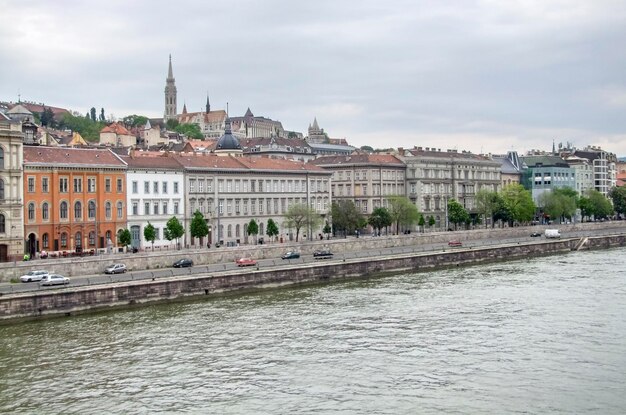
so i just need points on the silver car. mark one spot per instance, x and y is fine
(54, 279)
(36, 275)
(115, 269)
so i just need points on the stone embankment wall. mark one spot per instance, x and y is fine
(71, 267)
(70, 301)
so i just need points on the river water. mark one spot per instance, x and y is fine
(546, 335)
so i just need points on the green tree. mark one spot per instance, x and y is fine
(346, 217)
(586, 207)
(190, 130)
(124, 238)
(272, 229)
(171, 124)
(402, 211)
(92, 114)
(457, 213)
(327, 229)
(252, 229)
(149, 234)
(380, 218)
(558, 204)
(300, 216)
(486, 203)
(369, 149)
(174, 230)
(618, 195)
(102, 117)
(431, 221)
(135, 120)
(421, 222)
(87, 128)
(601, 206)
(47, 118)
(198, 227)
(519, 203)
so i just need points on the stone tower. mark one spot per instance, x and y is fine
(170, 95)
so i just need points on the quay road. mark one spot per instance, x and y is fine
(6, 288)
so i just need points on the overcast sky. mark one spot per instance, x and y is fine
(484, 76)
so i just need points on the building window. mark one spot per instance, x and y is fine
(164, 208)
(120, 186)
(45, 211)
(45, 241)
(1, 158)
(45, 188)
(78, 211)
(2, 224)
(175, 187)
(92, 238)
(107, 185)
(31, 185)
(164, 185)
(107, 210)
(155, 188)
(63, 184)
(146, 187)
(135, 208)
(78, 185)
(78, 239)
(1, 189)
(156, 208)
(63, 210)
(176, 208)
(31, 211)
(146, 208)
(135, 187)
(91, 185)
(64, 240)
(120, 210)
(92, 209)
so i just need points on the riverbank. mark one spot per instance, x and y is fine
(70, 301)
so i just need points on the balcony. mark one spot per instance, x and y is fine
(10, 202)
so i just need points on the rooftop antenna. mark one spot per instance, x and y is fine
(227, 109)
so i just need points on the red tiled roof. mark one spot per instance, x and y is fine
(58, 156)
(357, 158)
(152, 160)
(211, 161)
(116, 128)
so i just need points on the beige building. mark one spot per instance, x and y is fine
(231, 190)
(11, 190)
(366, 179)
(434, 177)
(117, 135)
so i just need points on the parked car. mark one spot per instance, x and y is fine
(54, 279)
(322, 254)
(183, 263)
(535, 234)
(291, 255)
(34, 275)
(245, 262)
(115, 269)
(455, 242)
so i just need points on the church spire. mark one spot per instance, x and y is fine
(170, 94)
(208, 104)
(170, 74)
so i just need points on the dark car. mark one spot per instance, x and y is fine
(291, 255)
(183, 263)
(322, 253)
(535, 235)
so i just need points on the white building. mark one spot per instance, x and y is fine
(11, 190)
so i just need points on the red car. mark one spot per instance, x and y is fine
(455, 242)
(245, 262)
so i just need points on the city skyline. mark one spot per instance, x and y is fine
(465, 75)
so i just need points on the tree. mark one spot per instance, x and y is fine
(380, 218)
(327, 229)
(618, 195)
(252, 228)
(367, 148)
(601, 206)
(586, 207)
(519, 203)
(272, 229)
(457, 213)
(87, 128)
(174, 230)
(92, 113)
(402, 211)
(124, 238)
(198, 227)
(149, 234)
(171, 124)
(558, 204)
(421, 222)
(300, 216)
(431, 221)
(486, 204)
(501, 213)
(346, 216)
(135, 120)
(190, 130)
(47, 117)
(102, 117)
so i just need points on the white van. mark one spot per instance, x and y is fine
(552, 233)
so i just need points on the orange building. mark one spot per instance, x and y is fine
(74, 199)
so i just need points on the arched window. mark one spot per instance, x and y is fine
(108, 236)
(2, 224)
(230, 231)
(63, 211)
(64, 240)
(78, 211)
(92, 238)
(92, 209)
(1, 188)
(31, 211)
(237, 230)
(45, 241)
(107, 210)
(120, 210)
(1, 158)
(45, 211)
(78, 239)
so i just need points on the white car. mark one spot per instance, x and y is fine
(115, 269)
(36, 275)
(54, 279)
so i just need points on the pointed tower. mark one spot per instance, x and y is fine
(184, 108)
(170, 95)
(208, 104)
